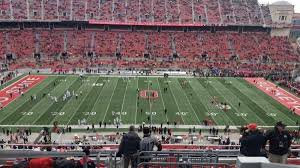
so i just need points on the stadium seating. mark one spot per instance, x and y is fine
(119, 11)
(200, 14)
(227, 12)
(146, 14)
(5, 10)
(211, 12)
(78, 10)
(173, 12)
(106, 10)
(19, 10)
(35, 9)
(64, 10)
(50, 10)
(190, 46)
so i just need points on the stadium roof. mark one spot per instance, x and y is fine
(281, 3)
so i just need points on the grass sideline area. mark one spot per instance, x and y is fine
(115, 99)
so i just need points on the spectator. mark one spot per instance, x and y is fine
(252, 141)
(280, 142)
(129, 147)
(147, 144)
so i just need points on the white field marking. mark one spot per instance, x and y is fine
(151, 113)
(176, 104)
(123, 100)
(187, 100)
(98, 98)
(59, 95)
(56, 113)
(21, 104)
(233, 106)
(36, 105)
(150, 105)
(109, 102)
(258, 104)
(162, 98)
(89, 113)
(216, 108)
(279, 88)
(271, 114)
(82, 86)
(211, 114)
(29, 113)
(208, 106)
(118, 113)
(97, 84)
(182, 113)
(15, 82)
(82, 100)
(242, 114)
(230, 99)
(75, 111)
(136, 107)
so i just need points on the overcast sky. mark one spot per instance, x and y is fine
(296, 3)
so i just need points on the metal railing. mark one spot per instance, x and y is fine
(182, 165)
(179, 156)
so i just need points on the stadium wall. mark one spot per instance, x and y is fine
(280, 32)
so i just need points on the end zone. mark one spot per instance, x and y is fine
(12, 92)
(282, 96)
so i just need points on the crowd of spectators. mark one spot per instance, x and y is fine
(239, 51)
(287, 82)
(211, 12)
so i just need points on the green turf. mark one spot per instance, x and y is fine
(187, 100)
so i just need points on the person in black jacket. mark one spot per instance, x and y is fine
(252, 142)
(279, 142)
(129, 147)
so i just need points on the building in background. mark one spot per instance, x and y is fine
(295, 32)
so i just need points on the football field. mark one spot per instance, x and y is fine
(134, 100)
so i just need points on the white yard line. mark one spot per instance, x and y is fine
(149, 101)
(38, 104)
(206, 105)
(60, 94)
(188, 101)
(267, 103)
(123, 101)
(137, 82)
(220, 111)
(163, 102)
(109, 102)
(75, 111)
(97, 101)
(252, 113)
(217, 90)
(177, 104)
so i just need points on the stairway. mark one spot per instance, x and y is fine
(230, 46)
(37, 43)
(173, 44)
